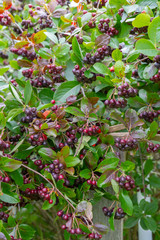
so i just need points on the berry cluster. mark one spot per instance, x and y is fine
(121, 103)
(79, 73)
(63, 2)
(79, 39)
(12, 238)
(99, 4)
(125, 91)
(56, 168)
(157, 61)
(135, 73)
(27, 73)
(31, 55)
(156, 77)
(41, 82)
(126, 144)
(99, 55)
(15, 138)
(149, 116)
(55, 72)
(4, 145)
(119, 213)
(126, 182)
(92, 24)
(103, 26)
(5, 20)
(31, 113)
(38, 139)
(93, 183)
(94, 236)
(4, 217)
(45, 22)
(5, 179)
(3, 55)
(27, 24)
(40, 164)
(139, 30)
(121, 11)
(153, 148)
(89, 130)
(40, 192)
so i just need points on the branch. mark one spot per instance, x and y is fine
(54, 188)
(141, 158)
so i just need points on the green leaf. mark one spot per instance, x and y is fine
(154, 181)
(150, 223)
(44, 53)
(126, 202)
(101, 68)
(66, 89)
(15, 94)
(9, 165)
(39, 36)
(151, 208)
(17, 177)
(131, 222)
(26, 232)
(9, 197)
(47, 153)
(52, 37)
(47, 205)
(154, 30)
(75, 111)
(13, 113)
(132, 56)
(72, 161)
(111, 220)
(153, 129)
(119, 69)
(85, 173)
(141, 20)
(117, 55)
(127, 166)
(11, 221)
(3, 70)
(76, 48)
(148, 167)
(118, 4)
(115, 186)
(146, 47)
(107, 164)
(27, 92)
(46, 95)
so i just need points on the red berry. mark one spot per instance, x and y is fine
(59, 213)
(1, 205)
(61, 177)
(89, 182)
(50, 201)
(53, 101)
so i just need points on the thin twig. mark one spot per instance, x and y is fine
(77, 150)
(141, 158)
(84, 95)
(54, 188)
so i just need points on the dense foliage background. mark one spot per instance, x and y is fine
(80, 110)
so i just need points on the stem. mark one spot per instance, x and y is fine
(141, 158)
(79, 145)
(54, 188)
(84, 95)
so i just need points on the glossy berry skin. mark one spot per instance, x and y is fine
(53, 101)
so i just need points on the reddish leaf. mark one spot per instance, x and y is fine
(7, 4)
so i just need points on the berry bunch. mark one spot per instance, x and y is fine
(103, 26)
(45, 22)
(92, 24)
(15, 138)
(40, 164)
(31, 55)
(149, 116)
(27, 73)
(56, 168)
(139, 30)
(93, 183)
(99, 55)
(157, 61)
(71, 137)
(99, 4)
(31, 113)
(125, 91)
(119, 213)
(90, 130)
(12, 238)
(62, 2)
(121, 103)
(5, 20)
(126, 182)
(27, 24)
(121, 11)
(41, 82)
(94, 236)
(153, 148)
(79, 73)
(4, 145)
(79, 39)
(55, 72)
(40, 192)
(3, 55)
(156, 77)
(4, 217)
(13, 81)
(38, 139)
(135, 73)
(126, 144)
(5, 179)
